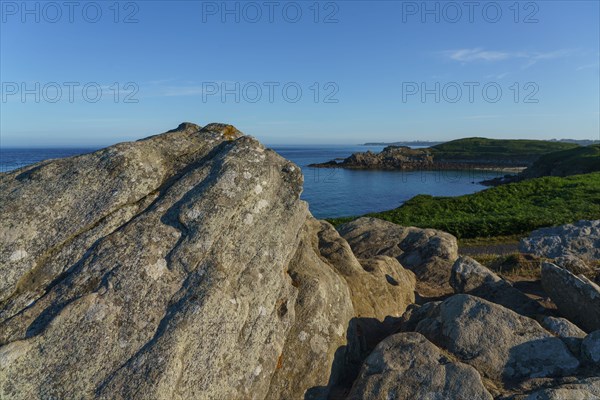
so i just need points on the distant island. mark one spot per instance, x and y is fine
(469, 153)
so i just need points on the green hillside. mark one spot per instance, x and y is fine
(580, 160)
(516, 208)
(526, 151)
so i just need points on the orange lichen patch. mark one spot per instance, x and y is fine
(280, 361)
(229, 132)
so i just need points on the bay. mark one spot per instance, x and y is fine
(331, 192)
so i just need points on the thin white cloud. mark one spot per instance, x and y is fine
(183, 91)
(528, 115)
(480, 54)
(194, 89)
(588, 66)
(160, 81)
(96, 120)
(270, 123)
(481, 116)
(497, 76)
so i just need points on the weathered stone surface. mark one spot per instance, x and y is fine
(586, 389)
(387, 300)
(470, 277)
(576, 297)
(499, 343)
(162, 302)
(180, 266)
(570, 244)
(380, 286)
(574, 264)
(566, 330)
(562, 327)
(40, 233)
(408, 366)
(427, 252)
(590, 348)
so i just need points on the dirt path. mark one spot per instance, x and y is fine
(499, 249)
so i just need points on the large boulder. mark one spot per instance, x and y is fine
(334, 287)
(576, 297)
(470, 277)
(590, 348)
(572, 245)
(407, 366)
(428, 253)
(380, 289)
(379, 286)
(140, 266)
(382, 300)
(501, 344)
(179, 266)
(323, 309)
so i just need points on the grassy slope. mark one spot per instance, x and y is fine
(580, 160)
(512, 209)
(497, 149)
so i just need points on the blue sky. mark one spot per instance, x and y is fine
(367, 71)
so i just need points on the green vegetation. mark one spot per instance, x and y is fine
(512, 209)
(497, 149)
(580, 160)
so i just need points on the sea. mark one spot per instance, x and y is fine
(331, 192)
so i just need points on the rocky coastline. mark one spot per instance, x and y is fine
(185, 265)
(407, 159)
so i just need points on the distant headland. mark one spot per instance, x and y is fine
(426, 143)
(414, 143)
(468, 153)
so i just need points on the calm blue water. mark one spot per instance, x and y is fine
(340, 192)
(329, 192)
(16, 158)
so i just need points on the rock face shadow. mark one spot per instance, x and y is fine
(362, 336)
(539, 358)
(421, 299)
